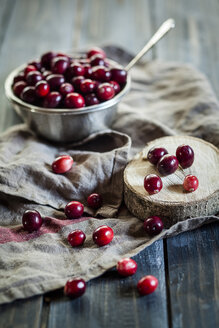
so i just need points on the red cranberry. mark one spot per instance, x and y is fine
(97, 60)
(75, 287)
(101, 73)
(59, 65)
(66, 88)
(19, 77)
(62, 164)
(76, 69)
(168, 164)
(185, 156)
(95, 51)
(55, 81)
(105, 91)
(103, 235)
(116, 86)
(119, 75)
(46, 73)
(126, 267)
(190, 183)
(31, 220)
(52, 100)
(87, 71)
(74, 210)
(76, 81)
(28, 69)
(153, 225)
(153, 183)
(91, 99)
(76, 238)
(74, 100)
(87, 86)
(28, 94)
(94, 201)
(46, 59)
(42, 89)
(33, 77)
(37, 64)
(147, 285)
(155, 154)
(18, 87)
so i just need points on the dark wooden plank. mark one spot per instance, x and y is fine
(193, 266)
(112, 301)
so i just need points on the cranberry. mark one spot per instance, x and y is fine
(126, 267)
(94, 201)
(46, 59)
(155, 154)
(31, 220)
(95, 51)
(147, 285)
(87, 86)
(101, 73)
(153, 225)
(97, 60)
(33, 77)
(52, 100)
(119, 75)
(185, 156)
(115, 86)
(76, 81)
(168, 164)
(91, 99)
(75, 287)
(153, 183)
(76, 238)
(42, 89)
(105, 91)
(87, 71)
(59, 65)
(28, 69)
(74, 210)
(28, 94)
(37, 64)
(62, 164)
(103, 235)
(190, 183)
(66, 88)
(18, 87)
(55, 81)
(46, 73)
(76, 69)
(74, 100)
(19, 77)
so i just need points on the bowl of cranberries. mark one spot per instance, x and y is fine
(65, 98)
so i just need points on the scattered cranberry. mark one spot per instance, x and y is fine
(59, 65)
(52, 100)
(91, 99)
(101, 73)
(76, 81)
(105, 91)
(32, 220)
(168, 164)
(42, 89)
(95, 51)
(28, 69)
(62, 164)
(94, 201)
(46, 59)
(116, 86)
(126, 267)
(74, 210)
(76, 238)
(190, 183)
(153, 184)
(185, 156)
(153, 225)
(55, 81)
(66, 88)
(97, 60)
(147, 285)
(19, 77)
(74, 100)
(103, 235)
(18, 87)
(75, 287)
(28, 94)
(155, 154)
(119, 75)
(87, 86)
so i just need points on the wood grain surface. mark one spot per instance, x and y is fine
(186, 265)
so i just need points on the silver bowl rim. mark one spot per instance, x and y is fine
(36, 109)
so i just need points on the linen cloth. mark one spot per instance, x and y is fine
(165, 99)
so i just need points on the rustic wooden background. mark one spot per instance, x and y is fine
(187, 266)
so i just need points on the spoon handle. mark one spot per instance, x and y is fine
(163, 29)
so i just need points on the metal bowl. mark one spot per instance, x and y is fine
(65, 125)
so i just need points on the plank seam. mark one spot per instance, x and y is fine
(168, 297)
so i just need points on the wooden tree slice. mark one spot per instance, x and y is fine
(173, 203)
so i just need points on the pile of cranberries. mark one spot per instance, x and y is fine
(167, 164)
(60, 81)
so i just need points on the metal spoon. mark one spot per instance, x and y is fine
(163, 29)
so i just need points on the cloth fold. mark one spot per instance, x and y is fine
(165, 99)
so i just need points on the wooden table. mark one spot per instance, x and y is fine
(187, 266)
